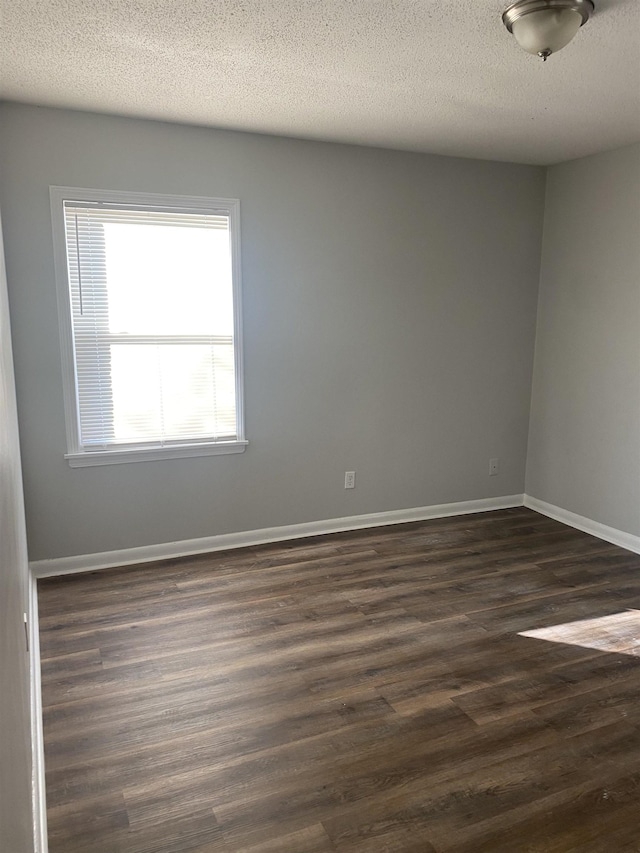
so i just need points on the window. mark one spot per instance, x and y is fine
(149, 298)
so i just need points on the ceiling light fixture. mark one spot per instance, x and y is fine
(544, 27)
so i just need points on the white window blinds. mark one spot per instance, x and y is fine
(152, 308)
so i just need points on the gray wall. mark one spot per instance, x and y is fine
(389, 313)
(584, 445)
(15, 720)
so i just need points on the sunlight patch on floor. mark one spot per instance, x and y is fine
(618, 632)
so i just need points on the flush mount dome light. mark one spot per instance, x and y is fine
(544, 27)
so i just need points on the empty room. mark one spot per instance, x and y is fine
(320, 426)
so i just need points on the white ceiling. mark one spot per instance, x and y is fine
(441, 76)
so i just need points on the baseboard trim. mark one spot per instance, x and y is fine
(38, 789)
(587, 525)
(226, 541)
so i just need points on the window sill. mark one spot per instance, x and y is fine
(151, 454)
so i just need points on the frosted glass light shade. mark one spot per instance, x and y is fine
(546, 31)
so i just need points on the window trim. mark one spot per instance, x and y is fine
(76, 455)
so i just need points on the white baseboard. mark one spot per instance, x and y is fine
(38, 790)
(225, 541)
(587, 525)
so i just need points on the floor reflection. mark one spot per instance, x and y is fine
(617, 632)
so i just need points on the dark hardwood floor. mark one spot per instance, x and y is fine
(366, 691)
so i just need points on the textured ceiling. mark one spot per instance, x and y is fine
(440, 76)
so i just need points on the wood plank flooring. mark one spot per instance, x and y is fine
(367, 691)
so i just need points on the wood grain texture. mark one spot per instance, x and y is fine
(367, 691)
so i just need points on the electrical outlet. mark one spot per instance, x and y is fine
(494, 467)
(349, 479)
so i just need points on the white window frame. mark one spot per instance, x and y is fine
(76, 455)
